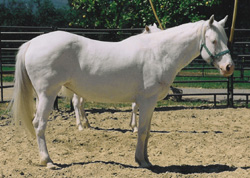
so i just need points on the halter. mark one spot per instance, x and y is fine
(212, 56)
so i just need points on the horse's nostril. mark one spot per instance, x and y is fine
(228, 67)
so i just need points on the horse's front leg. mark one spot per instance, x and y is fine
(146, 108)
(133, 122)
(44, 107)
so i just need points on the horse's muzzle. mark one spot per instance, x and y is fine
(227, 70)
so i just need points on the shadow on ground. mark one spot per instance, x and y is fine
(182, 169)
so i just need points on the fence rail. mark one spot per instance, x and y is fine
(12, 37)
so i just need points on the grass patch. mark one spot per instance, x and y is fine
(3, 109)
(196, 75)
(8, 78)
(8, 68)
(186, 103)
(192, 82)
(64, 104)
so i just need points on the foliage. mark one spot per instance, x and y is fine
(118, 13)
(47, 14)
(32, 13)
(135, 13)
(15, 13)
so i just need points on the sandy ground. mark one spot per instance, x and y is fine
(184, 142)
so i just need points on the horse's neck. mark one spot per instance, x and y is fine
(181, 44)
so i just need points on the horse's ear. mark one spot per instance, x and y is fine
(211, 20)
(223, 21)
(147, 29)
(154, 25)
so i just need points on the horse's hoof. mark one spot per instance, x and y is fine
(86, 125)
(135, 130)
(145, 165)
(52, 166)
(80, 128)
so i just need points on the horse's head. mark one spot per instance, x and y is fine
(214, 48)
(151, 29)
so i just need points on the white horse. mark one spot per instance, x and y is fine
(138, 69)
(78, 102)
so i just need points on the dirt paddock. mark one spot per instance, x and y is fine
(184, 142)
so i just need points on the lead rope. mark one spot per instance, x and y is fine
(230, 42)
(159, 22)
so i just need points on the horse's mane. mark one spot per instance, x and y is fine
(182, 28)
(173, 30)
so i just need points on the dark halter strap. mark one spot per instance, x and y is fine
(212, 56)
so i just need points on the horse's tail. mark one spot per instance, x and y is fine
(23, 104)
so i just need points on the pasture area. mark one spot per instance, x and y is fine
(187, 141)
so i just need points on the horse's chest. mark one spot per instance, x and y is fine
(164, 91)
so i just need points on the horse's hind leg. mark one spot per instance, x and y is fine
(85, 120)
(133, 122)
(44, 107)
(78, 104)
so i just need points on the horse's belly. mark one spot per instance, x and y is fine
(106, 95)
(110, 98)
(106, 90)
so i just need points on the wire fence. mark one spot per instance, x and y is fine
(198, 72)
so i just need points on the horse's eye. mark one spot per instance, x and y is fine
(214, 42)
